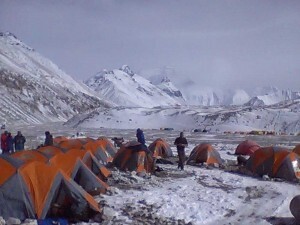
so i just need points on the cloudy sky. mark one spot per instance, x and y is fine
(236, 43)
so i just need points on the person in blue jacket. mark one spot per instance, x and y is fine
(140, 136)
(19, 141)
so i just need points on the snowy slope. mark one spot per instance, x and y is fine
(35, 90)
(272, 95)
(125, 88)
(283, 117)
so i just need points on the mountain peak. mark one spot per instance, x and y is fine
(165, 79)
(126, 69)
(12, 39)
(7, 34)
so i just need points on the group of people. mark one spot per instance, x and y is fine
(180, 142)
(10, 144)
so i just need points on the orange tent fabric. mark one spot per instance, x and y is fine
(246, 147)
(59, 139)
(160, 148)
(71, 164)
(133, 157)
(69, 144)
(102, 149)
(15, 200)
(275, 162)
(49, 151)
(95, 166)
(7, 170)
(29, 156)
(204, 153)
(43, 189)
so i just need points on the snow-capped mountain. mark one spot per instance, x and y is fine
(272, 95)
(125, 88)
(35, 90)
(208, 96)
(283, 117)
(161, 78)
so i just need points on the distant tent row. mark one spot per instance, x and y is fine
(276, 162)
(34, 182)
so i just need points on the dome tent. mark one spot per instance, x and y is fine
(204, 153)
(160, 148)
(275, 162)
(246, 147)
(28, 193)
(134, 157)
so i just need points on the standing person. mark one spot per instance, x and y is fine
(140, 136)
(181, 143)
(10, 143)
(48, 139)
(4, 142)
(19, 141)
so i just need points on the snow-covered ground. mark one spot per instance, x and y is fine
(197, 195)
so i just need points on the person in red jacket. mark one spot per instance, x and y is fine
(4, 142)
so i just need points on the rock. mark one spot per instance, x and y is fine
(13, 221)
(266, 177)
(30, 222)
(108, 212)
(2, 221)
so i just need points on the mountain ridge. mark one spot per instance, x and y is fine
(34, 90)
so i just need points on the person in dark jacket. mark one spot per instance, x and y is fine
(19, 141)
(48, 139)
(10, 143)
(140, 136)
(181, 143)
(4, 142)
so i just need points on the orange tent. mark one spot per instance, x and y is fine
(27, 193)
(204, 153)
(73, 166)
(297, 149)
(160, 148)
(102, 149)
(59, 139)
(133, 157)
(69, 144)
(14, 194)
(29, 156)
(49, 151)
(55, 188)
(95, 166)
(275, 162)
(246, 147)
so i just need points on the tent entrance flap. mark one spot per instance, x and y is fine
(67, 205)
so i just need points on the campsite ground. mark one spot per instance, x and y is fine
(197, 195)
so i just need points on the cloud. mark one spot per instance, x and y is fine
(214, 43)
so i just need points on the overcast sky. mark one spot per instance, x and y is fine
(215, 43)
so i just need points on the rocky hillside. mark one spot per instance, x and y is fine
(35, 90)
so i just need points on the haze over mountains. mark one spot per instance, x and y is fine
(34, 90)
